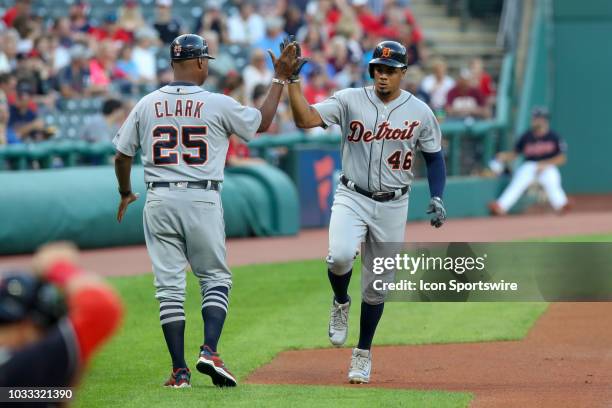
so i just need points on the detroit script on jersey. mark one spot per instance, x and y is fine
(359, 132)
(379, 140)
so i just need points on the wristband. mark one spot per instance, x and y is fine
(278, 81)
(125, 194)
(294, 81)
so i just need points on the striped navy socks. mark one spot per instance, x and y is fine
(214, 309)
(172, 319)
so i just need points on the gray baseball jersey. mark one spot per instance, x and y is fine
(183, 132)
(379, 141)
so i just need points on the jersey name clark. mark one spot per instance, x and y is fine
(180, 108)
(359, 132)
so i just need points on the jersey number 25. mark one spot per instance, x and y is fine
(165, 141)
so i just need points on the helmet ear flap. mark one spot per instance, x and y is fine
(371, 69)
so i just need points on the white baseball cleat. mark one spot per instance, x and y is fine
(361, 365)
(338, 322)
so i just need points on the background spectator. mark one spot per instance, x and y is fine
(4, 117)
(78, 22)
(293, 19)
(274, 36)
(437, 85)
(101, 67)
(8, 53)
(130, 16)
(213, 20)
(23, 120)
(103, 126)
(482, 80)
(412, 83)
(246, 26)
(318, 87)
(110, 30)
(465, 100)
(167, 26)
(73, 81)
(126, 65)
(233, 85)
(20, 9)
(223, 62)
(238, 154)
(256, 73)
(144, 54)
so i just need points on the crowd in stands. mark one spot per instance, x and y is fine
(119, 56)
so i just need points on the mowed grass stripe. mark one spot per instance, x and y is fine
(274, 308)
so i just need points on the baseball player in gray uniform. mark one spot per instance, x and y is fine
(382, 127)
(182, 131)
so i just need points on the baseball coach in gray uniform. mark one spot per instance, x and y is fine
(382, 127)
(182, 131)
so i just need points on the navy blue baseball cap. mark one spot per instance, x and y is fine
(540, 112)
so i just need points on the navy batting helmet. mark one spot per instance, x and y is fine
(390, 53)
(189, 46)
(23, 296)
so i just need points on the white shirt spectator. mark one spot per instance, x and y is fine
(253, 77)
(5, 64)
(247, 31)
(143, 54)
(436, 90)
(61, 58)
(256, 73)
(144, 58)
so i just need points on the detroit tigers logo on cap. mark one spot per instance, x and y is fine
(177, 49)
(386, 52)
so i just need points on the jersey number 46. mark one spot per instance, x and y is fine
(396, 162)
(166, 139)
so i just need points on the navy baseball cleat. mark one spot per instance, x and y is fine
(180, 378)
(211, 364)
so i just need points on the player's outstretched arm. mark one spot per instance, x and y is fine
(283, 69)
(305, 116)
(436, 177)
(123, 166)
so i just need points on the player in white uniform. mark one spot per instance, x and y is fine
(182, 131)
(382, 127)
(543, 151)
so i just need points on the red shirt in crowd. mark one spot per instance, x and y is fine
(314, 94)
(9, 16)
(485, 85)
(461, 98)
(120, 34)
(237, 149)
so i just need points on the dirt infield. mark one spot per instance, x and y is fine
(565, 361)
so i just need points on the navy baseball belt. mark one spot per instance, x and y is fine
(204, 184)
(380, 196)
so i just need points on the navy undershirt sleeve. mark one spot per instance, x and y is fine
(436, 172)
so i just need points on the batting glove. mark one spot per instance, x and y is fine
(295, 76)
(436, 207)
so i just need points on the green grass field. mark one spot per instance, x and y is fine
(273, 308)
